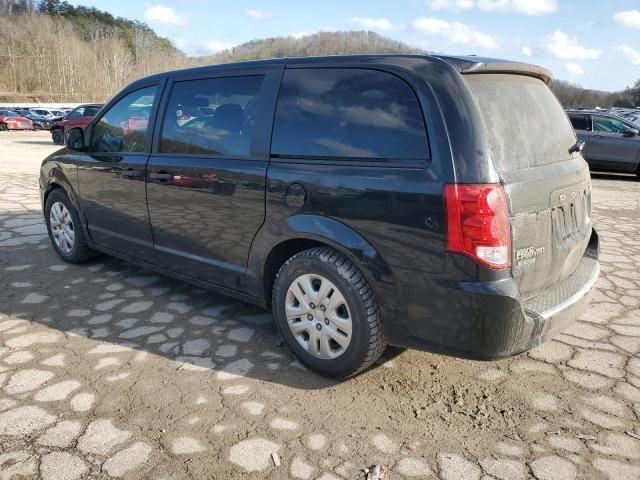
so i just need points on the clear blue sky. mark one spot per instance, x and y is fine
(595, 43)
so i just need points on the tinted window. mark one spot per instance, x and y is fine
(352, 113)
(579, 122)
(125, 125)
(211, 116)
(608, 124)
(91, 111)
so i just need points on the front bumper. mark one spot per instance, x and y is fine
(489, 320)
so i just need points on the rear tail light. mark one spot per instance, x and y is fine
(478, 223)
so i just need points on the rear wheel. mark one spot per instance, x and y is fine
(327, 314)
(65, 231)
(3, 127)
(57, 136)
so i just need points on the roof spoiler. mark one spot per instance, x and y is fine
(473, 64)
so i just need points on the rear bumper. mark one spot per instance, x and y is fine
(489, 320)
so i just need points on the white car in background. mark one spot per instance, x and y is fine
(48, 112)
(634, 118)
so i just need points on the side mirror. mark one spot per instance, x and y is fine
(74, 139)
(630, 132)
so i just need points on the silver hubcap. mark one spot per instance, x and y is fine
(61, 227)
(318, 316)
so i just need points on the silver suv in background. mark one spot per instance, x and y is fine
(611, 143)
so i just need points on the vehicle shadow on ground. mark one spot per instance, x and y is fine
(36, 142)
(626, 177)
(113, 302)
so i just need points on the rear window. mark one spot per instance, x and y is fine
(348, 114)
(526, 125)
(608, 124)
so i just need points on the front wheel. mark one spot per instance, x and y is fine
(57, 136)
(65, 231)
(327, 313)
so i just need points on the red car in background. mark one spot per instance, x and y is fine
(10, 120)
(78, 117)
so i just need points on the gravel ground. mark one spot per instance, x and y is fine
(107, 370)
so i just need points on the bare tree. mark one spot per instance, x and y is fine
(45, 55)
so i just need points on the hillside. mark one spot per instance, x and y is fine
(323, 43)
(55, 52)
(575, 96)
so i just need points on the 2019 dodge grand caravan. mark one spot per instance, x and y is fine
(431, 202)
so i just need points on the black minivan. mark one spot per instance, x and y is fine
(439, 203)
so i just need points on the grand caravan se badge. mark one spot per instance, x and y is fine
(526, 257)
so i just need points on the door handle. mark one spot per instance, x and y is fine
(161, 176)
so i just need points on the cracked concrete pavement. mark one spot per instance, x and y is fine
(110, 371)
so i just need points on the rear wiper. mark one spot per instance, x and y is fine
(576, 147)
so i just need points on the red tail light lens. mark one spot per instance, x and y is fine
(478, 223)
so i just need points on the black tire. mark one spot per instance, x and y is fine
(80, 252)
(57, 136)
(367, 341)
(3, 127)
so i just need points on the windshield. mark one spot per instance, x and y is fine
(526, 124)
(8, 113)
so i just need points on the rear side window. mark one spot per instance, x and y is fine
(579, 122)
(608, 124)
(525, 123)
(213, 116)
(348, 113)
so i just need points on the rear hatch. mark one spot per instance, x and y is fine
(548, 189)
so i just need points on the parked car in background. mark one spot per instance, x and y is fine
(634, 118)
(40, 122)
(78, 117)
(51, 113)
(611, 142)
(10, 120)
(432, 202)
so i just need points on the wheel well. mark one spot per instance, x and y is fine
(280, 254)
(47, 192)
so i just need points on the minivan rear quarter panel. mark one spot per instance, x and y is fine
(391, 204)
(396, 206)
